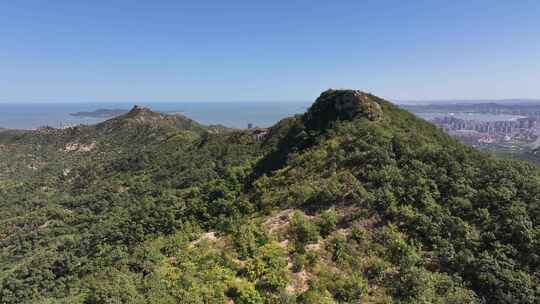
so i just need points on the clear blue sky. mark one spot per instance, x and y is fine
(74, 51)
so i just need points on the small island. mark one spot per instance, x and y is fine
(100, 113)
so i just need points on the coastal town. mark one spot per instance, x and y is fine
(490, 126)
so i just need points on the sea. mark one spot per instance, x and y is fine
(229, 114)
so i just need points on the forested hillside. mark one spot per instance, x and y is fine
(355, 201)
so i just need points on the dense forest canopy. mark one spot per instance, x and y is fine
(355, 201)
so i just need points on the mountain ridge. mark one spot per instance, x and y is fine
(355, 200)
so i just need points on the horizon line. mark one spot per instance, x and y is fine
(394, 100)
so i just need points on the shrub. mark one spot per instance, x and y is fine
(328, 223)
(244, 292)
(303, 231)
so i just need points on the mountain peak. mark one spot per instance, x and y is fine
(333, 105)
(138, 110)
(142, 116)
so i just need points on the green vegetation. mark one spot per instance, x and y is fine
(355, 201)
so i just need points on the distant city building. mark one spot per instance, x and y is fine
(489, 132)
(259, 133)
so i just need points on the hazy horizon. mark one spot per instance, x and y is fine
(149, 102)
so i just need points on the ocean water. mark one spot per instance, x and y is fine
(230, 114)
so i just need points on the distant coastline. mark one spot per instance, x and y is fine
(230, 114)
(100, 113)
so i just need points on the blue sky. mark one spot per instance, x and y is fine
(142, 51)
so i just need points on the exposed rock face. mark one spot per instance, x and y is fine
(78, 147)
(334, 105)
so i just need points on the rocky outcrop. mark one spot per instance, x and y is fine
(79, 147)
(335, 105)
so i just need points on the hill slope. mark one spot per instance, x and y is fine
(54, 151)
(355, 201)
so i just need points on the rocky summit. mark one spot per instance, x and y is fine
(144, 117)
(334, 105)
